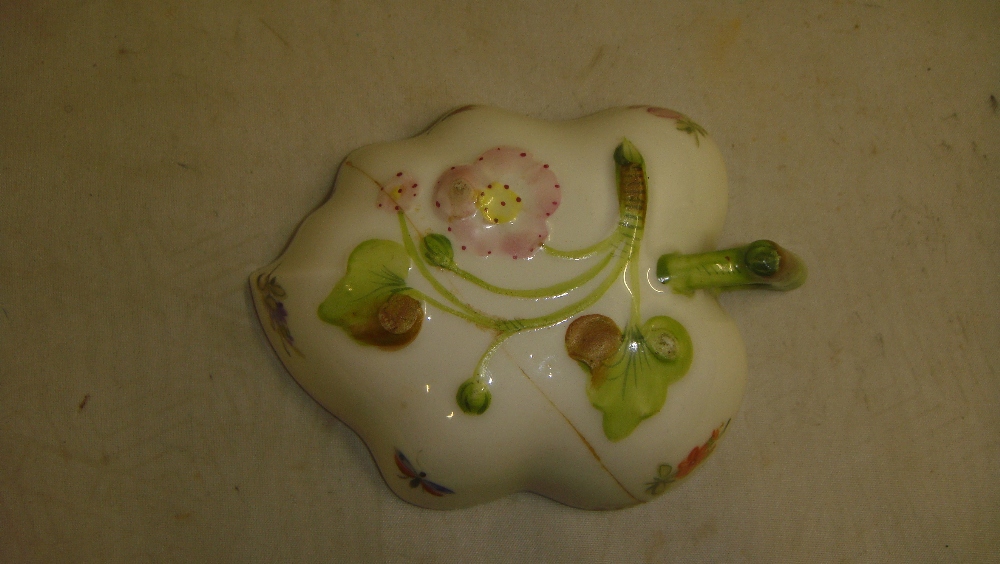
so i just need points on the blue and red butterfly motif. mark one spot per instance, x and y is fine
(418, 478)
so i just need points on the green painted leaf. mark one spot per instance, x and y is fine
(376, 271)
(632, 384)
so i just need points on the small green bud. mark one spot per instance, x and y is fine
(437, 250)
(474, 396)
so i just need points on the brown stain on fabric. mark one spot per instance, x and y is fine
(719, 46)
(725, 38)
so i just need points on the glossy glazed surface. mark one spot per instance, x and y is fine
(481, 304)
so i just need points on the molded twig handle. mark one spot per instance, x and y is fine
(761, 264)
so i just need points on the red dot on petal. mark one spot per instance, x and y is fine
(400, 191)
(496, 220)
(515, 257)
(438, 204)
(449, 229)
(524, 154)
(539, 235)
(480, 158)
(555, 203)
(519, 198)
(545, 166)
(506, 186)
(503, 203)
(414, 186)
(452, 168)
(463, 247)
(489, 252)
(547, 214)
(397, 208)
(557, 185)
(399, 174)
(380, 205)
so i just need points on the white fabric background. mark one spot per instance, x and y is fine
(153, 154)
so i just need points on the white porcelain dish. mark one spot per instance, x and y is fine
(503, 304)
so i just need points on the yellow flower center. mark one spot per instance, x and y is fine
(498, 203)
(395, 192)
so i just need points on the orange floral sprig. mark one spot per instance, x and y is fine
(666, 474)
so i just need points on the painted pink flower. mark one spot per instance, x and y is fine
(398, 193)
(499, 204)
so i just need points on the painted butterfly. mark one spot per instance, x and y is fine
(418, 478)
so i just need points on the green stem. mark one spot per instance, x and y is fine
(473, 396)
(761, 264)
(480, 372)
(411, 250)
(630, 174)
(511, 325)
(582, 253)
(550, 291)
(633, 271)
(475, 317)
(590, 299)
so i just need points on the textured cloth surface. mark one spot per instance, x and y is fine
(153, 154)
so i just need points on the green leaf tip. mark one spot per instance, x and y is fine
(626, 154)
